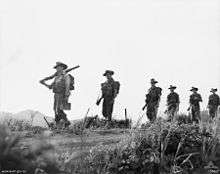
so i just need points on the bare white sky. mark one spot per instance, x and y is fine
(174, 41)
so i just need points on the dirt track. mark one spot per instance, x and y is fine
(71, 142)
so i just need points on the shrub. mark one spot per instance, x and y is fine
(163, 147)
(38, 157)
(97, 123)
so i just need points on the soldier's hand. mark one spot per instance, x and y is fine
(97, 102)
(50, 86)
(67, 94)
(42, 81)
(112, 101)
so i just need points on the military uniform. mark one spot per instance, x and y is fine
(172, 105)
(110, 89)
(194, 100)
(61, 89)
(213, 103)
(60, 97)
(152, 102)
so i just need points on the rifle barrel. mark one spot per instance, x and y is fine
(70, 69)
(47, 122)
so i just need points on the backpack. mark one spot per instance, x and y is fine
(72, 82)
(117, 86)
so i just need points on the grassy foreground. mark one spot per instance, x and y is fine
(162, 147)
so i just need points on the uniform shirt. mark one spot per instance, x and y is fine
(214, 100)
(108, 88)
(61, 83)
(195, 99)
(172, 99)
(153, 95)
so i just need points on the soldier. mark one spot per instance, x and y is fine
(152, 101)
(110, 90)
(61, 87)
(172, 103)
(213, 103)
(194, 107)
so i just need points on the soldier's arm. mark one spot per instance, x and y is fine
(115, 93)
(190, 103)
(218, 101)
(191, 100)
(159, 91)
(178, 100)
(168, 100)
(200, 98)
(50, 77)
(209, 101)
(147, 100)
(115, 87)
(102, 89)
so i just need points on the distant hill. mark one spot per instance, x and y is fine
(34, 117)
(4, 115)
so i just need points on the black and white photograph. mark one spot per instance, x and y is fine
(109, 87)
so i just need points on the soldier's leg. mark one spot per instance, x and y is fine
(150, 114)
(193, 115)
(154, 114)
(56, 108)
(212, 113)
(197, 116)
(104, 108)
(170, 113)
(107, 108)
(216, 112)
(111, 106)
(59, 115)
(63, 116)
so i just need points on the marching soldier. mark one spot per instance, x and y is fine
(152, 100)
(195, 99)
(61, 86)
(172, 103)
(110, 90)
(213, 103)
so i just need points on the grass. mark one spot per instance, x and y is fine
(164, 147)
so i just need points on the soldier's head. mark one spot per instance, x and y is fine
(60, 66)
(108, 74)
(194, 89)
(172, 88)
(153, 82)
(214, 90)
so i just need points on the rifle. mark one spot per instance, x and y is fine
(144, 107)
(54, 75)
(70, 69)
(189, 108)
(48, 124)
(190, 111)
(146, 101)
(98, 101)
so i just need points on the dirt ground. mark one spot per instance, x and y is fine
(70, 142)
